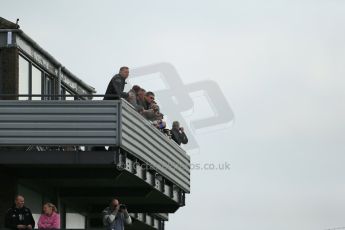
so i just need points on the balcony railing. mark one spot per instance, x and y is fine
(93, 123)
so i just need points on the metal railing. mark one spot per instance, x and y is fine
(93, 123)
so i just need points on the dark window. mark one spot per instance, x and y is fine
(36, 82)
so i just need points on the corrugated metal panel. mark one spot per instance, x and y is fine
(93, 123)
(147, 143)
(59, 122)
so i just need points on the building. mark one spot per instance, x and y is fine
(48, 122)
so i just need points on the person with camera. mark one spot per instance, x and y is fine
(158, 122)
(152, 113)
(19, 216)
(178, 134)
(149, 100)
(116, 216)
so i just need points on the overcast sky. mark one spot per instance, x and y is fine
(280, 65)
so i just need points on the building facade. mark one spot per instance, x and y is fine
(48, 122)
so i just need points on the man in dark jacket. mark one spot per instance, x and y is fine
(117, 85)
(177, 133)
(19, 216)
(149, 99)
(114, 91)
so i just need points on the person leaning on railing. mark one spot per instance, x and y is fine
(149, 99)
(114, 91)
(152, 113)
(117, 85)
(132, 97)
(159, 123)
(141, 99)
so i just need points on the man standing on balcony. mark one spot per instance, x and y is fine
(114, 91)
(116, 216)
(117, 85)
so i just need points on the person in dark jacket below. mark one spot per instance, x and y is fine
(117, 85)
(177, 133)
(19, 216)
(116, 216)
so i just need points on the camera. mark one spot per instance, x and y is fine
(122, 206)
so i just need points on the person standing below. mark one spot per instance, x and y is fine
(50, 219)
(116, 216)
(178, 134)
(19, 216)
(117, 84)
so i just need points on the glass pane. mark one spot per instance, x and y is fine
(23, 77)
(63, 92)
(36, 82)
(48, 87)
(75, 221)
(69, 98)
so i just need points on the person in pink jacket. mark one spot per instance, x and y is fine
(50, 219)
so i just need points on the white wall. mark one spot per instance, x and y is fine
(75, 221)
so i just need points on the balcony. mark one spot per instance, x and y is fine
(49, 142)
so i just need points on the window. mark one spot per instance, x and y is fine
(36, 82)
(33, 80)
(69, 98)
(48, 86)
(24, 76)
(75, 221)
(64, 91)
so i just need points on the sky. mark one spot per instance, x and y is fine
(280, 66)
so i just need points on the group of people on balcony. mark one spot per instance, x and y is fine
(144, 103)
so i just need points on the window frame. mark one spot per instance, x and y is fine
(44, 75)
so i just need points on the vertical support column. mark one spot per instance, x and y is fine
(7, 195)
(161, 225)
(9, 72)
(63, 215)
(58, 83)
